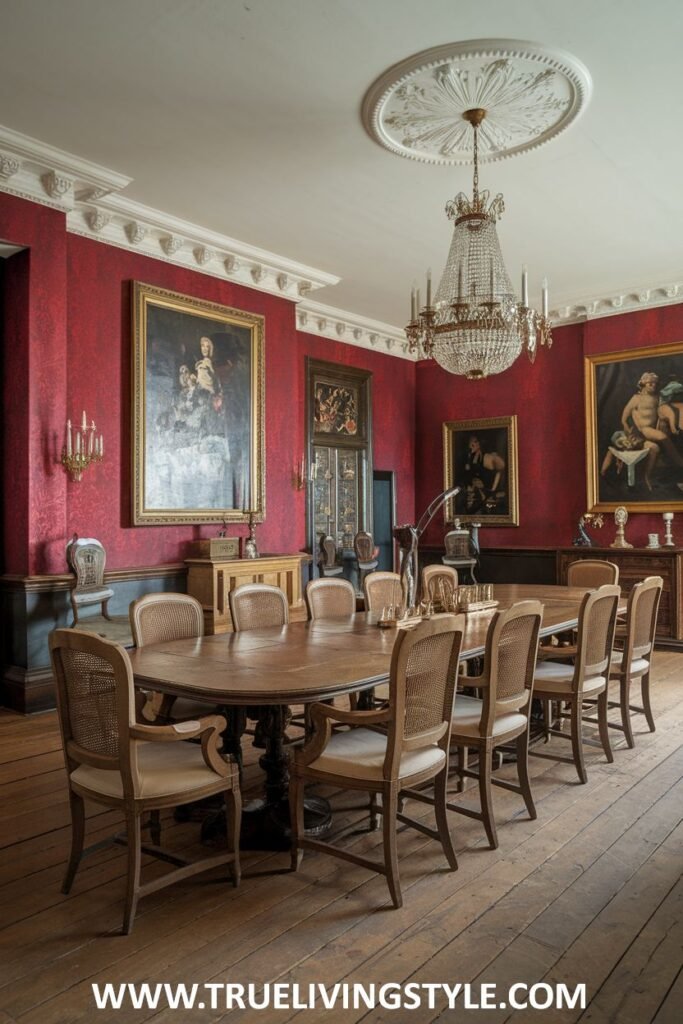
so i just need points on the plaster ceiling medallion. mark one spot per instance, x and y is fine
(531, 93)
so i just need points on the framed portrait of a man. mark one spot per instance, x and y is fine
(634, 429)
(198, 410)
(480, 457)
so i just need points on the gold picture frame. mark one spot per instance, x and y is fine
(197, 409)
(480, 456)
(634, 444)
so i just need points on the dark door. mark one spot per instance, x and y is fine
(383, 498)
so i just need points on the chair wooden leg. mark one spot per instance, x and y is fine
(77, 808)
(486, 796)
(155, 827)
(105, 610)
(134, 857)
(547, 718)
(374, 813)
(603, 727)
(523, 772)
(389, 810)
(233, 820)
(296, 814)
(462, 764)
(624, 701)
(647, 707)
(440, 784)
(577, 743)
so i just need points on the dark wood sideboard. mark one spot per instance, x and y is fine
(634, 565)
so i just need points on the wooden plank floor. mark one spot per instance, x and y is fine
(589, 892)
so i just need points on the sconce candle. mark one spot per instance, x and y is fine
(82, 448)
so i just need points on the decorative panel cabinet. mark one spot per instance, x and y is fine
(634, 565)
(211, 580)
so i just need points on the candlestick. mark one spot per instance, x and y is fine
(418, 300)
(101, 445)
(413, 314)
(78, 442)
(69, 448)
(544, 296)
(429, 287)
(84, 426)
(90, 443)
(525, 286)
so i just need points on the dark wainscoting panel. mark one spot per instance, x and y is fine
(506, 565)
(33, 606)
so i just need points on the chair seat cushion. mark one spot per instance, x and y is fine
(639, 666)
(554, 678)
(359, 754)
(85, 595)
(165, 769)
(467, 713)
(367, 566)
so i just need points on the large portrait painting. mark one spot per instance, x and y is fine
(480, 457)
(197, 410)
(634, 429)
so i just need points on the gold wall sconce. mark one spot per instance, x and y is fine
(82, 447)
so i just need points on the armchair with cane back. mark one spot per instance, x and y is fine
(113, 760)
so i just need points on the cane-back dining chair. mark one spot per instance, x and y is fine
(330, 599)
(389, 751)
(585, 680)
(503, 713)
(438, 581)
(587, 573)
(257, 606)
(156, 619)
(327, 558)
(633, 660)
(382, 590)
(87, 558)
(366, 554)
(134, 768)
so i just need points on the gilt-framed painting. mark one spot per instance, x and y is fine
(480, 457)
(634, 429)
(198, 410)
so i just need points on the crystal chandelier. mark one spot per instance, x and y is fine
(476, 326)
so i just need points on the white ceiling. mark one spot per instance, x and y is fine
(244, 117)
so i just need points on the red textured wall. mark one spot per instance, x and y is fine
(393, 410)
(99, 329)
(548, 400)
(34, 389)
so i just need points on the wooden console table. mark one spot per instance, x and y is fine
(211, 580)
(634, 565)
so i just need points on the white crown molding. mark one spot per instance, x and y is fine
(52, 177)
(630, 300)
(339, 325)
(122, 222)
(85, 191)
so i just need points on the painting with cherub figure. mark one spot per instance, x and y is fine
(198, 410)
(634, 429)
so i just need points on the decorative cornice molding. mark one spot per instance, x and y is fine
(33, 170)
(188, 245)
(339, 325)
(627, 301)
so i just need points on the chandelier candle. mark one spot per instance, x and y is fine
(476, 326)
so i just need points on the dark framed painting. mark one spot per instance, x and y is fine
(634, 429)
(198, 410)
(480, 457)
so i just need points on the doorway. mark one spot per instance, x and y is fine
(384, 516)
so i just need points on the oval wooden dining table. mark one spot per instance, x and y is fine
(303, 662)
